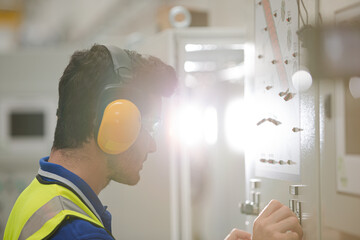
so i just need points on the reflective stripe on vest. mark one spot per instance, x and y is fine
(73, 186)
(47, 212)
(41, 209)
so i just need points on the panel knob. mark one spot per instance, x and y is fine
(255, 183)
(296, 189)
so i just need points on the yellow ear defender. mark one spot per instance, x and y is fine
(120, 126)
(118, 121)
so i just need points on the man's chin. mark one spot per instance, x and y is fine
(133, 182)
(130, 182)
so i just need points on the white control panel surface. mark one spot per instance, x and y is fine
(276, 118)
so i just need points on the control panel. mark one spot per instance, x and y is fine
(276, 120)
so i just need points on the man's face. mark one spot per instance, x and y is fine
(125, 167)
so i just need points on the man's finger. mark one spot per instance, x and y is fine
(237, 234)
(282, 213)
(289, 224)
(292, 236)
(270, 208)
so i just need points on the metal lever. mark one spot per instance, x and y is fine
(296, 190)
(295, 204)
(252, 206)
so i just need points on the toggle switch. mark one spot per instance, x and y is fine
(295, 129)
(271, 161)
(281, 94)
(255, 183)
(289, 96)
(252, 206)
(294, 203)
(289, 162)
(296, 190)
(274, 121)
(261, 121)
(263, 160)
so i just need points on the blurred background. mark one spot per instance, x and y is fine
(267, 107)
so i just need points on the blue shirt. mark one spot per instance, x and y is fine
(77, 228)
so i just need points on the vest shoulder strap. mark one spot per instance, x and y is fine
(46, 219)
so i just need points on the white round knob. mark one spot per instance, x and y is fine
(301, 80)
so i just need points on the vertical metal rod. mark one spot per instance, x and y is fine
(299, 211)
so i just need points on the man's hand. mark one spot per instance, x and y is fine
(277, 222)
(237, 234)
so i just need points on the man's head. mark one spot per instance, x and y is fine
(81, 85)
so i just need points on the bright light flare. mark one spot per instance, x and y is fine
(235, 125)
(233, 73)
(188, 125)
(197, 66)
(192, 124)
(210, 125)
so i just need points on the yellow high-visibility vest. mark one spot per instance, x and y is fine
(42, 208)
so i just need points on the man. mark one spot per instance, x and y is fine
(109, 104)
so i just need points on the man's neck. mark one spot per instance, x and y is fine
(86, 162)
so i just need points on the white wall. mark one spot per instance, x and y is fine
(26, 75)
(232, 13)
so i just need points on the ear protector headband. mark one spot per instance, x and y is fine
(118, 121)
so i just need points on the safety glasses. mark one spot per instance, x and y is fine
(151, 125)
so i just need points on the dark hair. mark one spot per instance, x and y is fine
(83, 80)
